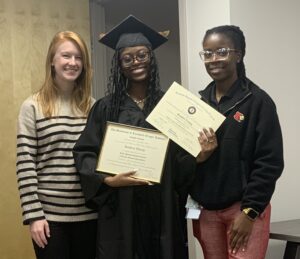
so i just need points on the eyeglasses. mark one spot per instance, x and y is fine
(141, 56)
(220, 54)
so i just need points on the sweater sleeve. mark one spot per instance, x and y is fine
(26, 163)
(86, 151)
(267, 164)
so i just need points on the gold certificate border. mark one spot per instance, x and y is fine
(122, 166)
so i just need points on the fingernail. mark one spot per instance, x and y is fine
(234, 251)
(243, 249)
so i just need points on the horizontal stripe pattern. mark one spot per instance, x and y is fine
(49, 184)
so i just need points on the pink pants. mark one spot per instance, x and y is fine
(212, 227)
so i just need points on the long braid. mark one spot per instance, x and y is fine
(236, 35)
(115, 88)
(154, 85)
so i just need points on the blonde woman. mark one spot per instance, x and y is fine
(49, 123)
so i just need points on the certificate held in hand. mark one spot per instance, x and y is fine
(126, 148)
(180, 115)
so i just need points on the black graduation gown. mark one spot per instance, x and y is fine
(134, 222)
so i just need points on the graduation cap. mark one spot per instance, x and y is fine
(132, 32)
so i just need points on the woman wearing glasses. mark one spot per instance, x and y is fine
(137, 220)
(240, 163)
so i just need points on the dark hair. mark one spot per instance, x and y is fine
(236, 35)
(117, 86)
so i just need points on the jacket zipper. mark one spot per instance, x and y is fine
(237, 103)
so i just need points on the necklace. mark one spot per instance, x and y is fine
(142, 101)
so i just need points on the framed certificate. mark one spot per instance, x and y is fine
(126, 148)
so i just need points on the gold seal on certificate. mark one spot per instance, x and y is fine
(180, 115)
(126, 148)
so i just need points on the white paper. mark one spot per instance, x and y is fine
(193, 213)
(180, 115)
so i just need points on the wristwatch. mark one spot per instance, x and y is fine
(251, 213)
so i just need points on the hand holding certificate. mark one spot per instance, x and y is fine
(126, 148)
(180, 115)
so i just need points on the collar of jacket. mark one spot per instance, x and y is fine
(239, 94)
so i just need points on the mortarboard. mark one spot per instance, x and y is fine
(132, 32)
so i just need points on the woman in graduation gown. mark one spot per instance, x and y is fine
(137, 220)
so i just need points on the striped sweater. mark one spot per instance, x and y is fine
(48, 182)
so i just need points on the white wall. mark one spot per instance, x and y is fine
(271, 28)
(272, 32)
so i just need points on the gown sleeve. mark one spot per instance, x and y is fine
(184, 165)
(86, 152)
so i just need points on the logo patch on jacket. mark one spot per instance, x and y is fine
(239, 117)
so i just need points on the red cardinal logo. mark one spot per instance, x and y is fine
(239, 117)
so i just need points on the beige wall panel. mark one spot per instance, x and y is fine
(39, 43)
(21, 50)
(26, 28)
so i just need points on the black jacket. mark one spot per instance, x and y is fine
(249, 156)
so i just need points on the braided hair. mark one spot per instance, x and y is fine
(117, 86)
(236, 35)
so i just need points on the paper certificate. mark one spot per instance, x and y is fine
(126, 148)
(181, 115)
